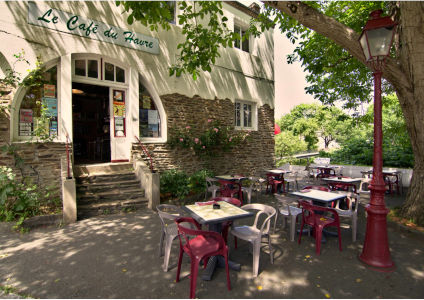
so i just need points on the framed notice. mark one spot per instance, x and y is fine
(25, 115)
(119, 113)
(51, 105)
(119, 127)
(25, 129)
(49, 91)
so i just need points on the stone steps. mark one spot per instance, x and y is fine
(111, 190)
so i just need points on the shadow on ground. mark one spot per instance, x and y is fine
(116, 256)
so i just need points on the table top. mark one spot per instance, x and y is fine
(230, 177)
(320, 196)
(385, 171)
(204, 213)
(278, 171)
(342, 180)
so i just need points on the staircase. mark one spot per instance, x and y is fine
(107, 189)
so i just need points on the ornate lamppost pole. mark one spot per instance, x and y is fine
(376, 40)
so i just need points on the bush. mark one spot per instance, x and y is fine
(174, 182)
(177, 184)
(17, 200)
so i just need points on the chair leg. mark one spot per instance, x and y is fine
(180, 258)
(271, 253)
(193, 277)
(300, 234)
(275, 222)
(162, 236)
(256, 254)
(227, 270)
(292, 227)
(168, 246)
(354, 224)
(318, 237)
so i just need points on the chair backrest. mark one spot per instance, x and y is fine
(233, 201)
(269, 211)
(317, 187)
(185, 233)
(312, 209)
(167, 214)
(363, 187)
(352, 201)
(211, 181)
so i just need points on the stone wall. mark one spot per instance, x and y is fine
(41, 160)
(249, 159)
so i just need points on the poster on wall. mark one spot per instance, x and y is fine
(49, 91)
(51, 105)
(53, 128)
(25, 115)
(146, 102)
(119, 126)
(118, 96)
(25, 129)
(118, 109)
(153, 117)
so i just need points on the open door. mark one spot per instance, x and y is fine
(120, 141)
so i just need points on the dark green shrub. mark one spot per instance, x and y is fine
(197, 181)
(175, 183)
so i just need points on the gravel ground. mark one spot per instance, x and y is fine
(116, 256)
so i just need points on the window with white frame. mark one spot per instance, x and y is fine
(244, 115)
(243, 42)
(98, 69)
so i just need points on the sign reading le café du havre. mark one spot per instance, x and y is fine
(45, 16)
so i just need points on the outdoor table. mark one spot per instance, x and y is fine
(234, 179)
(386, 175)
(280, 173)
(343, 182)
(326, 171)
(205, 214)
(320, 198)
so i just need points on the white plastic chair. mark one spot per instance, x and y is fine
(287, 211)
(211, 186)
(351, 212)
(258, 183)
(167, 214)
(363, 186)
(254, 233)
(291, 178)
(248, 189)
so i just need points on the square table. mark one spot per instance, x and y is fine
(279, 172)
(319, 196)
(343, 182)
(235, 179)
(205, 214)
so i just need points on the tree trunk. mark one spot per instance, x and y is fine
(405, 73)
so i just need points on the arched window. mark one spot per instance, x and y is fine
(38, 98)
(149, 117)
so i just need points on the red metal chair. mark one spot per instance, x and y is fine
(274, 181)
(227, 224)
(317, 187)
(318, 222)
(203, 245)
(228, 188)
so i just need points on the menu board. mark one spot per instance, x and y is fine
(51, 105)
(49, 91)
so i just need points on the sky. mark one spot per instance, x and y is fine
(290, 81)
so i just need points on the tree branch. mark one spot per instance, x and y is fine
(341, 34)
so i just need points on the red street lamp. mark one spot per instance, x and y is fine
(376, 40)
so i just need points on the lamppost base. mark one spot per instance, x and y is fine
(376, 251)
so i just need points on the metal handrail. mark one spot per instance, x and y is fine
(146, 152)
(68, 158)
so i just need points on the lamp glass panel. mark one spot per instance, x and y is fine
(364, 46)
(379, 41)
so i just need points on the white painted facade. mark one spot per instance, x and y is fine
(237, 75)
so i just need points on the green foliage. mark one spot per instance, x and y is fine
(197, 180)
(174, 182)
(17, 200)
(208, 143)
(357, 146)
(178, 184)
(287, 144)
(308, 122)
